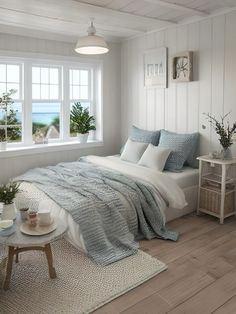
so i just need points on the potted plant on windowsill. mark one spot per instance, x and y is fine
(7, 195)
(81, 121)
(3, 139)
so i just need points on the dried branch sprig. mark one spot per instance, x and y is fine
(224, 130)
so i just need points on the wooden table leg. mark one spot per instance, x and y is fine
(17, 256)
(51, 269)
(11, 252)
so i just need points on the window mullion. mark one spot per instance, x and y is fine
(27, 124)
(65, 124)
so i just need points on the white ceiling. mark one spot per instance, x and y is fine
(114, 19)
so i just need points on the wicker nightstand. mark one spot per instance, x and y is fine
(217, 187)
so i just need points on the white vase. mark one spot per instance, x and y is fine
(83, 138)
(8, 211)
(3, 145)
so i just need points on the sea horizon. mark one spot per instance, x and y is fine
(39, 117)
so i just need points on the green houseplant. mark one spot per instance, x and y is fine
(81, 122)
(7, 195)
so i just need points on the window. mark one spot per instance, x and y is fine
(46, 101)
(11, 117)
(79, 84)
(45, 93)
(80, 90)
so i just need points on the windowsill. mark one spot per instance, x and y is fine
(47, 148)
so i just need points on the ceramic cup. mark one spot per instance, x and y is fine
(44, 217)
(24, 213)
(32, 217)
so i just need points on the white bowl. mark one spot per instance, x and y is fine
(5, 224)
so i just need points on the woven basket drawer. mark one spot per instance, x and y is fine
(210, 200)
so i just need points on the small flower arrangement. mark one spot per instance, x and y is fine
(224, 130)
(8, 192)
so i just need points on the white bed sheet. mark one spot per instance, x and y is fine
(186, 178)
(74, 235)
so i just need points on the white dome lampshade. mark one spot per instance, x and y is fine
(91, 44)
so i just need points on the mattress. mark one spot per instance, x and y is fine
(191, 195)
(186, 178)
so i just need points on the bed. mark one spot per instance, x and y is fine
(178, 194)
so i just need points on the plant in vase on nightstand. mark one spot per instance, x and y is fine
(226, 134)
(7, 195)
(81, 122)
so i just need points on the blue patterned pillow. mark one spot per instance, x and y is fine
(144, 136)
(181, 145)
(194, 153)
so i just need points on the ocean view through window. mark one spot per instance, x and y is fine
(47, 99)
(44, 94)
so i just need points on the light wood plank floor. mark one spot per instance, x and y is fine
(201, 275)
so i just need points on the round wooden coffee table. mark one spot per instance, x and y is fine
(19, 242)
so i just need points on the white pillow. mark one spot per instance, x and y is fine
(154, 157)
(133, 151)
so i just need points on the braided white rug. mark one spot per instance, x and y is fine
(80, 287)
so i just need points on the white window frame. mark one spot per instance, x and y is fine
(90, 98)
(95, 67)
(21, 88)
(60, 95)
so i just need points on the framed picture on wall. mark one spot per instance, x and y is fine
(182, 67)
(155, 68)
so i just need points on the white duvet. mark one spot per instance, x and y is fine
(172, 194)
(167, 187)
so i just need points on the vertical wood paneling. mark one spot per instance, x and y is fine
(134, 81)
(150, 92)
(230, 68)
(193, 87)
(160, 92)
(124, 96)
(151, 108)
(181, 96)
(160, 109)
(170, 99)
(129, 104)
(218, 43)
(141, 101)
(205, 75)
(180, 107)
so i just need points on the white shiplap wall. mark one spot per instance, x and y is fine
(179, 107)
(11, 167)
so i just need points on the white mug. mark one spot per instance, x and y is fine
(44, 217)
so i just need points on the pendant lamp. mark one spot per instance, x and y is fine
(91, 44)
